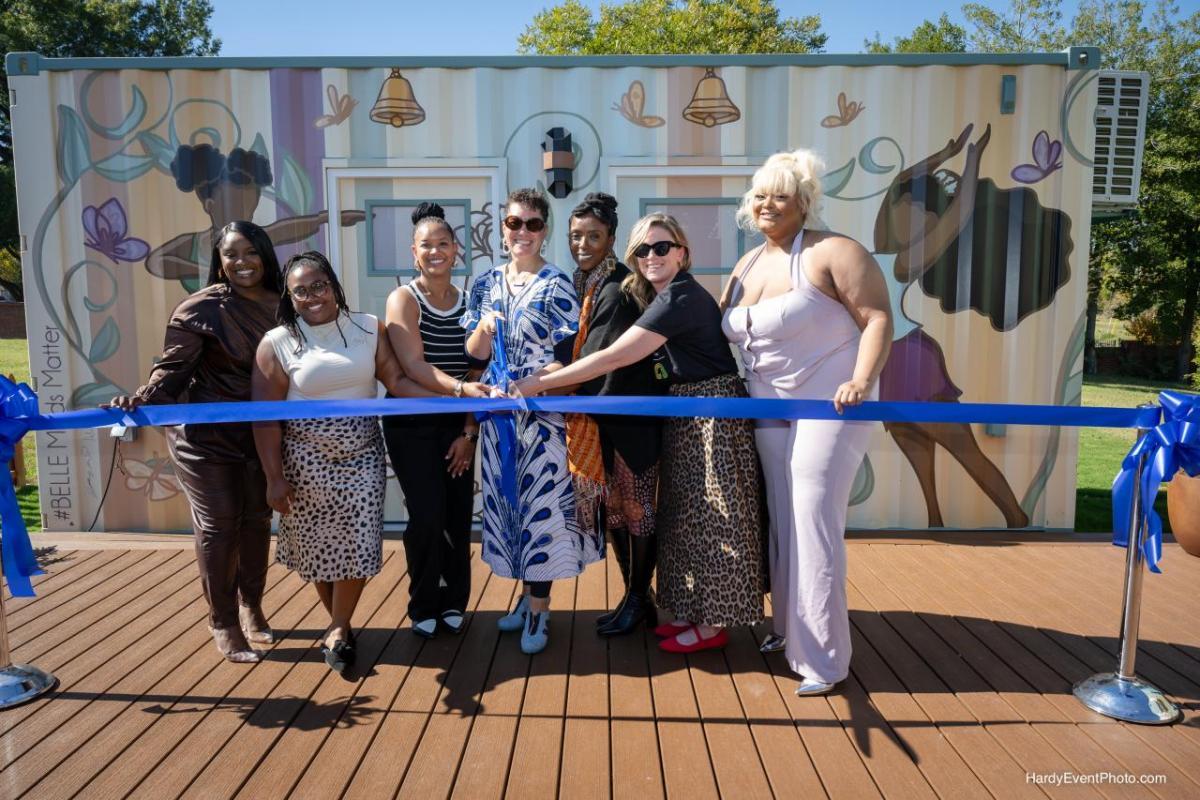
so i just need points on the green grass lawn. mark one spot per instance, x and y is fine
(1100, 449)
(14, 360)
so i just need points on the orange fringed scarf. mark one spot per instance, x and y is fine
(585, 458)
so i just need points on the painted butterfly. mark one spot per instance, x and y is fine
(341, 105)
(633, 103)
(1047, 157)
(847, 112)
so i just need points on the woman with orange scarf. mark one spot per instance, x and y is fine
(613, 459)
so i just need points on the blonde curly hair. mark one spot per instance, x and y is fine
(797, 173)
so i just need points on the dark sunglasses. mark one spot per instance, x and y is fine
(659, 249)
(534, 225)
(314, 289)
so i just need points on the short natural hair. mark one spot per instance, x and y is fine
(530, 198)
(635, 284)
(797, 173)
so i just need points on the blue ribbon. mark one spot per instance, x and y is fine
(17, 404)
(1169, 447)
(505, 425)
(1174, 443)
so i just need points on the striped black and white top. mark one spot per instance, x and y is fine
(442, 334)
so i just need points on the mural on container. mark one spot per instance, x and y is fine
(149, 189)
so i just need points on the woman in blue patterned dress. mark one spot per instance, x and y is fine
(517, 314)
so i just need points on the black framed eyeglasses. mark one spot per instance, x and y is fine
(314, 289)
(534, 225)
(659, 249)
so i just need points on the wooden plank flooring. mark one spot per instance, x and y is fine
(965, 650)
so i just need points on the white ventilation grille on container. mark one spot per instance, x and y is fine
(1120, 137)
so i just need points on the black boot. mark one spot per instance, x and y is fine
(620, 544)
(637, 607)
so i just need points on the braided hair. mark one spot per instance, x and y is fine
(286, 314)
(258, 238)
(600, 206)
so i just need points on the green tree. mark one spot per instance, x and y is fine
(942, 36)
(81, 28)
(1159, 268)
(1025, 26)
(670, 26)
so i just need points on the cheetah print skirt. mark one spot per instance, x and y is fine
(710, 514)
(337, 471)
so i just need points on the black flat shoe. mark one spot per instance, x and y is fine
(338, 657)
(453, 620)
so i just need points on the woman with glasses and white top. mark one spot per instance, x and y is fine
(530, 529)
(326, 476)
(710, 526)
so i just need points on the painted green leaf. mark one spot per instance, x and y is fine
(864, 483)
(93, 394)
(294, 187)
(866, 157)
(157, 148)
(833, 182)
(137, 113)
(260, 146)
(74, 154)
(106, 342)
(123, 167)
(191, 284)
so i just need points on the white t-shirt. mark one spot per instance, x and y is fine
(324, 367)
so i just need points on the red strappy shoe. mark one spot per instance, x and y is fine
(715, 642)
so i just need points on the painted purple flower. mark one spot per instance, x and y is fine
(1047, 157)
(106, 227)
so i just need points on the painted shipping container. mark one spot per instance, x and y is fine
(126, 167)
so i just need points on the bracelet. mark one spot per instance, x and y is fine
(458, 388)
(471, 436)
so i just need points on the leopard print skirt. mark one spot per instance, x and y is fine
(337, 471)
(711, 568)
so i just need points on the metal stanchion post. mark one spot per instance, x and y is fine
(19, 683)
(1122, 694)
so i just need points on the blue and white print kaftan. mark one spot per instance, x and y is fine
(538, 538)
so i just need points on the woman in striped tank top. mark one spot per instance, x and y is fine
(432, 453)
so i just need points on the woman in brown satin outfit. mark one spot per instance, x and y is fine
(209, 351)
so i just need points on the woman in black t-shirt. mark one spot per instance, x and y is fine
(710, 570)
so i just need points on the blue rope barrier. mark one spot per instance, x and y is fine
(1173, 442)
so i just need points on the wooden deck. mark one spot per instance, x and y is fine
(963, 664)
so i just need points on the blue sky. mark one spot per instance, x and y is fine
(471, 27)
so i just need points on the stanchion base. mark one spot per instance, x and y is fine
(1129, 700)
(20, 683)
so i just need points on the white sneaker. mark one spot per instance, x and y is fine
(810, 687)
(772, 644)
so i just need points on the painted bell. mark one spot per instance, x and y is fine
(396, 105)
(710, 103)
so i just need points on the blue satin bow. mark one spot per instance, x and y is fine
(1171, 446)
(17, 401)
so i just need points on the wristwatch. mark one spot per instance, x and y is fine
(458, 388)
(471, 436)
